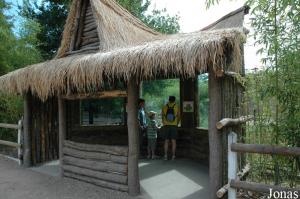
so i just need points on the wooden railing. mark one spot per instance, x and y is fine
(18, 145)
(234, 178)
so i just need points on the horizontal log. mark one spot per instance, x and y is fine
(90, 45)
(231, 122)
(110, 177)
(89, 17)
(101, 183)
(265, 149)
(9, 126)
(89, 27)
(86, 22)
(89, 41)
(84, 50)
(257, 187)
(95, 155)
(96, 165)
(115, 150)
(92, 33)
(104, 94)
(11, 144)
(221, 192)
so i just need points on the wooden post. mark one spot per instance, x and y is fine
(133, 138)
(62, 131)
(27, 135)
(215, 138)
(20, 127)
(232, 164)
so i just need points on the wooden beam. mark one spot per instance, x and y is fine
(62, 130)
(113, 150)
(11, 144)
(101, 183)
(133, 138)
(232, 122)
(9, 126)
(97, 95)
(259, 188)
(215, 138)
(26, 128)
(266, 149)
(105, 176)
(96, 165)
(221, 192)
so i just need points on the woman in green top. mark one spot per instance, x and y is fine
(152, 135)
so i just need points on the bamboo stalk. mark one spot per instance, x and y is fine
(11, 144)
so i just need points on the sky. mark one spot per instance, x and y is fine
(194, 16)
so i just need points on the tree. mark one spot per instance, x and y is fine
(51, 16)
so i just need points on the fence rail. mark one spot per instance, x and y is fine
(234, 180)
(17, 145)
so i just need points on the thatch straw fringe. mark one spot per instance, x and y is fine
(116, 27)
(69, 29)
(181, 55)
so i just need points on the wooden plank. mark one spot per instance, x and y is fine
(87, 41)
(74, 36)
(92, 33)
(11, 144)
(215, 138)
(90, 27)
(259, 188)
(101, 183)
(9, 126)
(80, 24)
(115, 150)
(266, 149)
(232, 164)
(231, 122)
(95, 155)
(96, 165)
(20, 136)
(133, 138)
(110, 177)
(62, 131)
(90, 45)
(97, 95)
(27, 135)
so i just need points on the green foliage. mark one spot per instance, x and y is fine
(51, 16)
(15, 52)
(203, 100)
(159, 20)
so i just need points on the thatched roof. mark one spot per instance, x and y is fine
(123, 56)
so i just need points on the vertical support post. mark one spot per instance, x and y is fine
(20, 126)
(133, 138)
(232, 164)
(62, 131)
(215, 137)
(27, 135)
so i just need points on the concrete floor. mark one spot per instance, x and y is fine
(181, 178)
(160, 179)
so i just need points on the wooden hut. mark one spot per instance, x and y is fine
(106, 52)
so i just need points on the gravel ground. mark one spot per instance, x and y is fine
(17, 182)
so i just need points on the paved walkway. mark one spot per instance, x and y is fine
(159, 180)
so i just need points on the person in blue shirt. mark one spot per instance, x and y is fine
(142, 123)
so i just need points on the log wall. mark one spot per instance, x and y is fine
(43, 130)
(101, 165)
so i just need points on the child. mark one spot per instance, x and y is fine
(152, 135)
